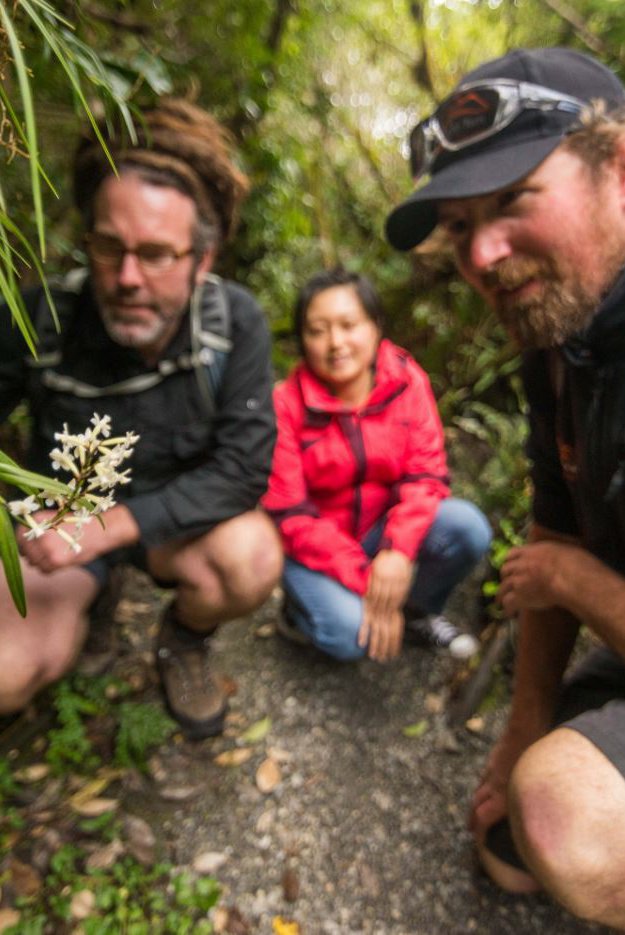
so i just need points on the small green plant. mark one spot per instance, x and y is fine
(129, 899)
(139, 726)
(10, 818)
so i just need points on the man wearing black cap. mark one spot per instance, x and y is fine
(526, 165)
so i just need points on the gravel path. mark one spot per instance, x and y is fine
(364, 832)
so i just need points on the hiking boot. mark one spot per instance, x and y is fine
(195, 696)
(101, 647)
(288, 629)
(437, 632)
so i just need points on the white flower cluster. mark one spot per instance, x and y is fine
(93, 459)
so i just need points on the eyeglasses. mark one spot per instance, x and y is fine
(478, 111)
(151, 257)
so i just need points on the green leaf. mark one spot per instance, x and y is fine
(62, 53)
(21, 70)
(415, 730)
(29, 481)
(257, 731)
(11, 562)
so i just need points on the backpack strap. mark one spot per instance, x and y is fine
(210, 346)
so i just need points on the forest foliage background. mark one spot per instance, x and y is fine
(320, 96)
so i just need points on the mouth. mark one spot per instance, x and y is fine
(519, 291)
(338, 361)
(130, 310)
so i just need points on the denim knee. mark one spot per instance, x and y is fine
(461, 531)
(338, 640)
(476, 533)
(327, 612)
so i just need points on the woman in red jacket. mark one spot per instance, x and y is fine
(359, 489)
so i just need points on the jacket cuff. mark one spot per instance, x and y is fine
(153, 519)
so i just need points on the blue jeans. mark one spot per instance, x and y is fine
(330, 614)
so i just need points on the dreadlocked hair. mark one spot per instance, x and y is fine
(178, 144)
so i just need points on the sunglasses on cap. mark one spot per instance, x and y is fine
(478, 111)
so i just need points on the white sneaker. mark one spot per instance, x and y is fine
(437, 632)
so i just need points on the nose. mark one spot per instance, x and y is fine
(336, 335)
(486, 245)
(129, 273)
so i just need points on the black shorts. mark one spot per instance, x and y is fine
(592, 703)
(101, 567)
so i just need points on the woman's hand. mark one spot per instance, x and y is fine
(383, 621)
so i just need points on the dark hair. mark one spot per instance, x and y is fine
(328, 279)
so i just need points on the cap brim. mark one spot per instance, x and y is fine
(481, 173)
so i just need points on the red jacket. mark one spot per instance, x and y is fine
(337, 470)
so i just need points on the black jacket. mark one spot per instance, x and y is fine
(576, 396)
(190, 470)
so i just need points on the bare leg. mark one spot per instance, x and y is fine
(226, 573)
(567, 809)
(39, 649)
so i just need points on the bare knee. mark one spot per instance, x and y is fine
(40, 649)
(559, 823)
(245, 555)
(253, 563)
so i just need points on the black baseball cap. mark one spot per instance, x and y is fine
(516, 150)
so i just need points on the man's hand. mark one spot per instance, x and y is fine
(530, 576)
(383, 622)
(50, 552)
(489, 803)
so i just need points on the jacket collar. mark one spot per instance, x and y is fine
(604, 339)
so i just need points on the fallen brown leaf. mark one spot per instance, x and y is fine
(140, 839)
(268, 776)
(180, 793)
(33, 773)
(105, 857)
(229, 685)
(209, 862)
(93, 788)
(475, 724)
(265, 630)
(434, 704)
(82, 904)
(233, 757)
(92, 808)
(8, 917)
(26, 881)
(228, 919)
(290, 884)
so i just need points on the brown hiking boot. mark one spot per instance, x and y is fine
(102, 644)
(194, 694)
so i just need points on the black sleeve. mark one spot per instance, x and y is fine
(233, 479)
(13, 354)
(552, 504)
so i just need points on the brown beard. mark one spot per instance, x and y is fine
(545, 320)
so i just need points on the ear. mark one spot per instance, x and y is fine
(619, 167)
(205, 265)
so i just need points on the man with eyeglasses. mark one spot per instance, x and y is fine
(171, 352)
(523, 168)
